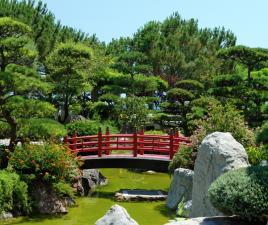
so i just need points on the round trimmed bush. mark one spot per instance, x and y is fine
(242, 192)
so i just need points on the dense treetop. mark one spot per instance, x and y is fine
(171, 73)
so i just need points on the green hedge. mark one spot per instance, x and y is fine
(89, 127)
(13, 193)
(242, 192)
(183, 158)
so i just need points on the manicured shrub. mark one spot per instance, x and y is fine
(90, 127)
(83, 127)
(155, 132)
(262, 136)
(242, 192)
(224, 119)
(13, 193)
(132, 112)
(63, 189)
(48, 162)
(257, 154)
(42, 129)
(4, 130)
(183, 158)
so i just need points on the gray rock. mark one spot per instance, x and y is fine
(218, 153)
(140, 195)
(116, 215)
(212, 221)
(6, 215)
(46, 201)
(264, 163)
(91, 178)
(187, 209)
(4, 142)
(180, 188)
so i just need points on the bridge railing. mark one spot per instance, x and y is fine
(138, 142)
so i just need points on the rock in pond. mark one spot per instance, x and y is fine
(116, 215)
(218, 153)
(88, 181)
(213, 221)
(140, 195)
(180, 187)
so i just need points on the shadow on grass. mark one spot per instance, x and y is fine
(37, 218)
(103, 194)
(162, 208)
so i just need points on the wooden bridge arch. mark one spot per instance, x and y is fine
(109, 150)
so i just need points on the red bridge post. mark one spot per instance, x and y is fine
(107, 140)
(177, 135)
(99, 143)
(66, 139)
(171, 144)
(74, 141)
(142, 139)
(135, 143)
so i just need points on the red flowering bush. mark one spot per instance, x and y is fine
(48, 162)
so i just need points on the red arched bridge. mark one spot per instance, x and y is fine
(137, 150)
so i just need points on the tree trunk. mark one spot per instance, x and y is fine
(249, 75)
(13, 137)
(66, 109)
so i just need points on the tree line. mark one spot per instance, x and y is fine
(51, 73)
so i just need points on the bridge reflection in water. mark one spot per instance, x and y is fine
(137, 150)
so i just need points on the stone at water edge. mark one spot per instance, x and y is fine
(88, 181)
(218, 153)
(6, 215)
(212, 221)
(180, 187)
(116, 215)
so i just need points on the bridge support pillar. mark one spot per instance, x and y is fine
(135, 144)
(99, 143)
(107, 139)
(171, 145)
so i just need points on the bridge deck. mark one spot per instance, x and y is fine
(128, 156)
(149, 162)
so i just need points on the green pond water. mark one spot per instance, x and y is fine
(90, 209)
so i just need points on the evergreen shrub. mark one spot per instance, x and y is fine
(183, 158)
(242, 192)
(13, 193)
(63, 189)
(257, 154)
(89, 127)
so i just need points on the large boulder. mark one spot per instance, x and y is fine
(116, 215)
(218, 153)
(180, 188)
(88, 181)
(46, 200)
(91, 178)
(212, 221)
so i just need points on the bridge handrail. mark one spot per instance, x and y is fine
(139, 143)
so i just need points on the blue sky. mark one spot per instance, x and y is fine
(108, 19)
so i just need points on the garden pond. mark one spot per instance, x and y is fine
(90, 209)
